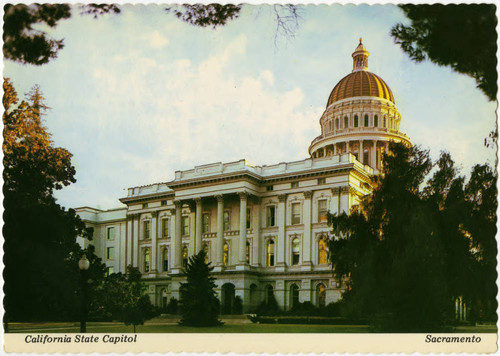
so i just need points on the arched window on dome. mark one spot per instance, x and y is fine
(356, 121)
(366, 121)
(375, 121)
(337, 124)
(346, 122)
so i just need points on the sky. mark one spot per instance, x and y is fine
(136, 96)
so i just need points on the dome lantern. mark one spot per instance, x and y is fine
(360, 57)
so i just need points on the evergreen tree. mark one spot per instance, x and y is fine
(412, 249)
(200, 306)
(41, 277)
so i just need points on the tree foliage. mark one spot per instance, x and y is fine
(122, 297)
(416, 245)
(460, 36)
(211, 15)
(40, 236)
(200, 306)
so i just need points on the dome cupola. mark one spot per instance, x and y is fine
(360, 117)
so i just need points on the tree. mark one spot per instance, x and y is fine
(41, 275)
(460, 36)
(24, 43)
(200, 306)
(409, 252)
(122, 297)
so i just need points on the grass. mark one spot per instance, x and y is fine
(228, 328)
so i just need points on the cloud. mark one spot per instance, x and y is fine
(156, 40)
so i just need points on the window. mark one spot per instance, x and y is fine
(295, 184)
(145, 205)
(163, 203)
(249, 218)
(146, 260)
(185, 225)
(365, 157)
(296, 213)
(270, 253)
(295, 251)
(146, 230)
(164, 228)
(346, 122)
(321, 180)
(205, 223)
(164, 258)
(385, 121)
(355, 120)
(110, 233)
(269, 293)
(322, 251)
(366, 121)
(248, 252)
(294, 296)
(225, 256)
(205, 248)
(110, 253)
(375, 121)
(271, 216)
(110, 270)
(337, 124)
(322, 210)
(227, 222)
(184, 256)
(164, 300)
(320, 295)
(269, 188)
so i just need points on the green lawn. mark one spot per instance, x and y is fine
(228, 328)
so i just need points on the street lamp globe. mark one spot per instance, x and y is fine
(84, 263)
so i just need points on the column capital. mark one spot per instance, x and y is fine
(197, 200)
(220, 198)
(243, 195)
(282, 198)
(178, 203)
(308, 194)
(336, 190)
(345, 189)
(154, 214)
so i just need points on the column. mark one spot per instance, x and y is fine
(198, 218)
(129, 241)
(280, 243)
(257, 243)
(135, 247)
(154, 229)
(220, 230)
(177, 238)
(243, 229)
(347, 147)
(361, 152)
(374, 155)
(306, 244)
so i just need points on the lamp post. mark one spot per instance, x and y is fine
(83, 265)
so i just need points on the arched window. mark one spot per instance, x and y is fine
(164, 257)
(295, 251)
(385, 121)
(337, 124)
(146, 260)
(346, 122)
(294, 296)
(184, 256)
(355, 120)
(375, 121)
(247, 252)
(330, 126)
(322, 251)
(269, 293)
(225, 255)
(366, 121)
(320, 295)
(270, 253)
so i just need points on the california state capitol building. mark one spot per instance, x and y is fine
(264, 228)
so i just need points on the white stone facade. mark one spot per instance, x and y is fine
(262, 226)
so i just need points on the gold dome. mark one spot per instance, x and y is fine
(361, 82)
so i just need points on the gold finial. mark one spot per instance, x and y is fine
(360, 40)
